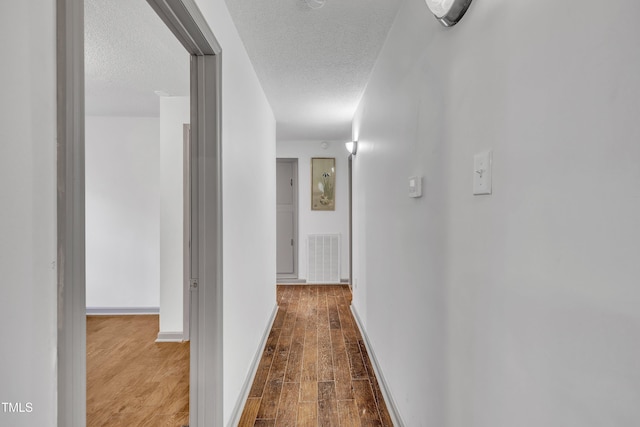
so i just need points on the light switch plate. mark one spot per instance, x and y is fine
(415, 186)
(482, 172)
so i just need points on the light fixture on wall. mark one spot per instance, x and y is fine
(315, 4)
(448, 12)
(352, 147)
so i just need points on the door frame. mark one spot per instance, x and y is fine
(350, 169)
(294, 164)
(186, 22)
(186, 231)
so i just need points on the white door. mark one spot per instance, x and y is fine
(286, 218)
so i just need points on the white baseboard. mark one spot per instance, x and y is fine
(304, 282)
(281, 281)
(386, 393)
(248, 382)
(121, 311)
(170, 337)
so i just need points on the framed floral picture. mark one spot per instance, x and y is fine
(323, 184)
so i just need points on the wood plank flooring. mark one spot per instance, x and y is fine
(133, 381)
(315, 370)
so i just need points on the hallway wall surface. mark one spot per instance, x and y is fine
(28, 214)
(122, 211)
(249, 206)
(28, 300)
(519, 308)
(320, 222)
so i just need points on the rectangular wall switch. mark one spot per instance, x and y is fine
(415, 186)
(482, 172)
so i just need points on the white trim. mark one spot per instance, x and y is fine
(71, 316)
(248, 382)
(206, 247)
(121, 311)
(384, 388)
(281, 281)
(186, 230)
(186, 22)
(286, 282)
(170, 337)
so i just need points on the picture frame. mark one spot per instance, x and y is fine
(323, 184)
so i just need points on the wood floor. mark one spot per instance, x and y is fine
(315, 370)
(133, 381)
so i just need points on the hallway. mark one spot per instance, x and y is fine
(315, 370)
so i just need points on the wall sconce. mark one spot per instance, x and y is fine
(448, 12)
(352, 147)
(315, 4)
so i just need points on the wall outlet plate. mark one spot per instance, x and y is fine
(415, 186)
(482, 163)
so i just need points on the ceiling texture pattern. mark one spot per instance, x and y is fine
(313, 59)
(130, 54)
(313, 63)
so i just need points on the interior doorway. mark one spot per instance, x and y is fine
(287, 218)
(134, 191)
(189, 26)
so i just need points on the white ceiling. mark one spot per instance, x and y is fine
(129, 54)
(313, 63)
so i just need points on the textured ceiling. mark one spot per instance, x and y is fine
(129, 54)
(313, 63)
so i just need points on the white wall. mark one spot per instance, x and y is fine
(122, 156)
(320, 222)
(174, 113)
(28, 214)
(28, 219)
(519, 308)
(249, 210)
(134, 202)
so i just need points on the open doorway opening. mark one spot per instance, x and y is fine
(136, 101)
(205, 362)
(287, 219)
